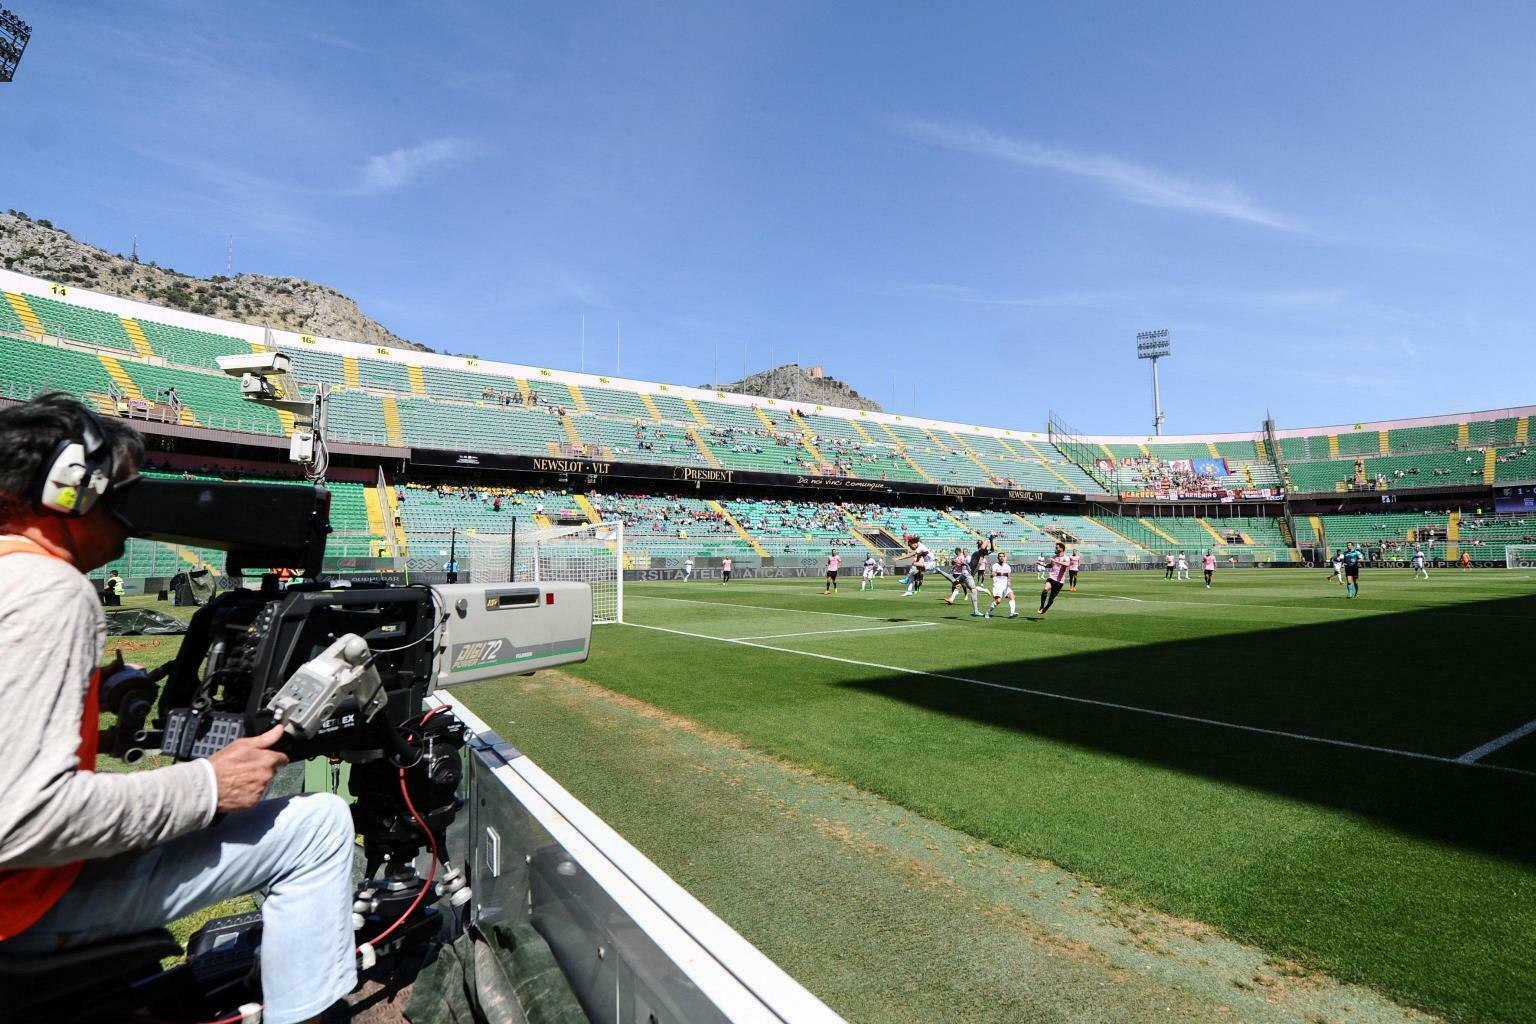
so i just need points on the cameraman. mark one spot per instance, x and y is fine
(86, 856)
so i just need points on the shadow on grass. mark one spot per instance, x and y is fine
(1437, 682)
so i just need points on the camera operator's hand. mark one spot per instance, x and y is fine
(245, 767)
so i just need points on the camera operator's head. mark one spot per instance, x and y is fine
(58, 459)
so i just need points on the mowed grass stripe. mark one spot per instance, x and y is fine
(1412, 876)
(1388, 681)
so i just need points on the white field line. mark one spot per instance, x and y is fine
(1089, 701)
(1477, 754)
(855, 629)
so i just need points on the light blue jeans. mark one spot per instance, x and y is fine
(298, 849)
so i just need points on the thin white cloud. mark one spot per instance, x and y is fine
(340, 43)
(399, 168)
(1291, 299)
(1130, 181)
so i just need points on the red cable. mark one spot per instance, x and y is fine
(431, 873)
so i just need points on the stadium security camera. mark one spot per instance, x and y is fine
(257, 363)
(254, 387)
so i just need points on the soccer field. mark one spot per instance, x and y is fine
(1348, 783)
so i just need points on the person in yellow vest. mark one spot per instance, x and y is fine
(86, 855)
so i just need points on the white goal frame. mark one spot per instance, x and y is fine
(592, 553)
(1520, 556)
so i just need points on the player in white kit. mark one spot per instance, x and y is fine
(867, 580)
(1183, 567)
(1418, 564)
(1040, 566)
(687, 568)
(1002, 586)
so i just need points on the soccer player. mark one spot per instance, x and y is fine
(922, 560)
(1418, 564)
(1040, 567)
(1338, 565)
(1002, 586)
(1352, 557)
(978, 566)
(962, 580)
(725, 572)
(1183, 568)
(834, 563)
(1074, 563)
(687, 568)
(1168, 566)
(1210, 567)
(1056, 575)
(868, 579)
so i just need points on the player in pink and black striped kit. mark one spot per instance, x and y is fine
(1055, 576)
(1074, 563)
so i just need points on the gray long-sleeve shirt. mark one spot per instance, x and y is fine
(52, 632)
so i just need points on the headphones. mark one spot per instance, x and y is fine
(80, 472)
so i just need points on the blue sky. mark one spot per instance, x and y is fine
(973, 206)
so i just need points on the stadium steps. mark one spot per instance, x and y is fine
(1318, 536)
(1210, 446)
(1453, 534)
(1170, 539)
(1262, 448)
(543, 521)
(1117, 533)
(971, 454)
(375, 509)
(552, 448)
(524, 390)
(1027, 522)
(807, 438)
(1333, 446)
(1010, 449)
(395, 526)
(1050, 468)
(392, 432)
(349, 374)
(1210, 530)
(119, 375)
(135, 334)
(650, 407)
(901, 451)
(1490, 463)
(1383, 443)
(704, 449)
(418, 383)
(743, 534)
(578, 399)
(1523, 430)
(960, 524)
(29, 321)
(693, 410)
(1463, 436)
(772, 427)
(585, 504)
(571, 433)
(859, 428)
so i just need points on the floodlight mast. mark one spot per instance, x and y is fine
(14, 35)
(1154, 345)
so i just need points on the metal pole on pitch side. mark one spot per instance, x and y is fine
(1157, 404)
(583, 343)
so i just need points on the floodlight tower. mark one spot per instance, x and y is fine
(1154, 345)
(14, 34)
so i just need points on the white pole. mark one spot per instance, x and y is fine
(618, 611)
(716, 384)
(618, 349)
(1157, 404)
(583, 343)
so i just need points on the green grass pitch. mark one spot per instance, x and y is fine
(1266, 756)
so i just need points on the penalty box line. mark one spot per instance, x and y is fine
(1478, 753)
(1092, 702)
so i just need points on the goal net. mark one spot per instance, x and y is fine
(1520, 556)
(591, 554)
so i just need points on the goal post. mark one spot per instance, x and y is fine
(1520, 556)
(592, 553)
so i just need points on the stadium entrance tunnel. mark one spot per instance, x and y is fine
(1378, 716)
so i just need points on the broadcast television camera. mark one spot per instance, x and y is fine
(346, 671)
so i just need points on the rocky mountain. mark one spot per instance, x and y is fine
(794, 383)
(36, 247)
